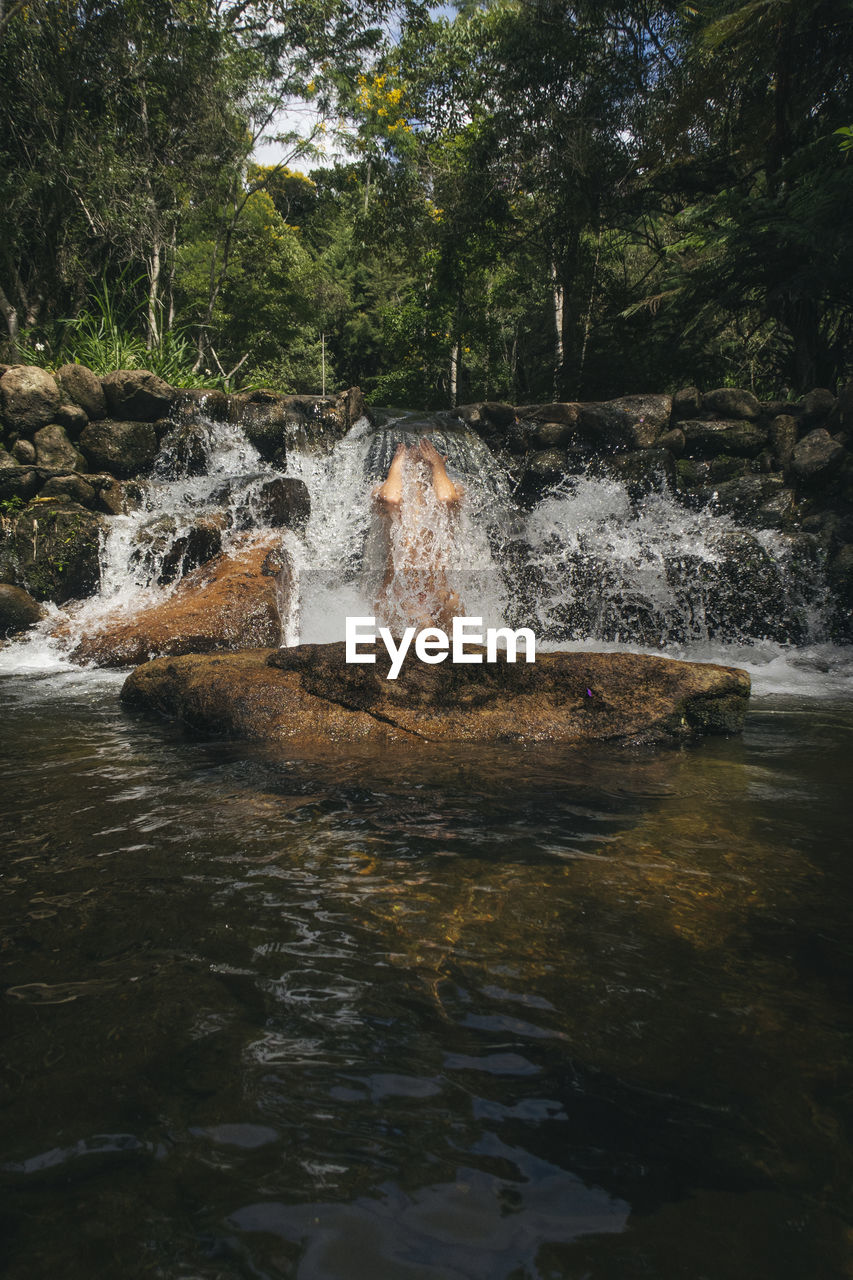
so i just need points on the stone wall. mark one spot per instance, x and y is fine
(779, 465)
(73, 447)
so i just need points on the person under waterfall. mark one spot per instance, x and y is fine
(418, 504)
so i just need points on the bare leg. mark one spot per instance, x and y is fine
(445, 489)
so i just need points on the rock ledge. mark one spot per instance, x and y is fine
(310, 693)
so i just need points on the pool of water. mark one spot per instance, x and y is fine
(440, 1014)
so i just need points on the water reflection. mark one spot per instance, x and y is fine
(447, 1014)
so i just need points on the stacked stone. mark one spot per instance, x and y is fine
(782, 465)
(73, 448)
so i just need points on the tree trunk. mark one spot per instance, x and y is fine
(558, 295)
(454, 373)
(10, 315)
(152, 338)
(587, 325)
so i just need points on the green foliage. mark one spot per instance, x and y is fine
(570, 200)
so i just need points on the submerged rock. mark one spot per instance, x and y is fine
(312, 694)
(230, 603)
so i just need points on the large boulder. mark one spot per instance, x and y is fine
(54, 449)
(815, 454)
(630, 422)
(311, 694)
(817, 406)
(230, 603)
(29, 398)
(706, 438)
(52, 549)
(137, 395)
(18, 610)
(272, 422)
(730, 402)
(83, 387)
(125, 449)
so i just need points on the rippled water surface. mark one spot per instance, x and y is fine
(447, 1014)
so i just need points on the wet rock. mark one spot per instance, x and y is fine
(690, 473)
(551, 435)
(18, 610)
(745, 590)
(630, 422)
(686, 403)
(73, 487)
(644, 470)
(184, 451)
(487, 416)
(125, 449)
(190, 549)
(706, 438)
(310, 693)
(727, 467)
(777, 511)
(8, 460)
(83, 387)
(116, 497)
(840, 575)
(24, 452)
(546, 465)
(782, 437)
(272, 421)
(194, 403)
(730, 402)
(673, 440)
(137, 395)
(51, 548)
(284, 503)
(815, 454)
(564, 412)
(29, 398)
(54, 449)
(228, 603)
(743, 495)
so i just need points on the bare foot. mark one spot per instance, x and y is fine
(430, 454)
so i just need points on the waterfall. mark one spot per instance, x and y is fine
(591, 563)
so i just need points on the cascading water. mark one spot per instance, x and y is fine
(591, 564)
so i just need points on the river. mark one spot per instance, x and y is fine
(445, 1014)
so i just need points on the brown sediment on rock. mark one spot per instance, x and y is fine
(239, 695)
(230, 603)
(309, 692)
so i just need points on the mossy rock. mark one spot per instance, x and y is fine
(51, 549)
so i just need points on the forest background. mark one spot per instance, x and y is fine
(531, 199)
